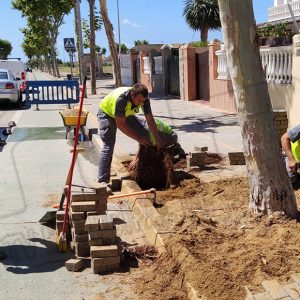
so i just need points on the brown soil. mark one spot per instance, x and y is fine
(219, 245)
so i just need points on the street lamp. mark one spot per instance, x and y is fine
(119, 29)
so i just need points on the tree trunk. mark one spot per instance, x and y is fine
(270, 187)
(77, 41)
(111, 42)
(92, 47)
(204, 34)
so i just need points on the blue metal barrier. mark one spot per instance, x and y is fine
(52, 92)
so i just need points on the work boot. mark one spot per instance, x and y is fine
(179, 151)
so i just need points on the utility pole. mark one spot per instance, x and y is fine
(119, 30)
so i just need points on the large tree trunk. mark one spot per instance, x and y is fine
(204, 34)
(79, 54)
(270, 187)
(110, 36)
(92, 46)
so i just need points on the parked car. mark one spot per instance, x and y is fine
(28, 69)
(9, 87)
(17, 67)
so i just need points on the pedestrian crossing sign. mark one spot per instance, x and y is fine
(69, 44)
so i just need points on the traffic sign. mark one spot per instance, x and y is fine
(69, 44)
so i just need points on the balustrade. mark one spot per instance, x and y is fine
(276, 63)
(282, 12)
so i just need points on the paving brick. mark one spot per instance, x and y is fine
(79, 227)
(116, 184)
(293, 290)
(92, 213)
(92, 223)
(81, 237)
(274, 289)
(104, 251)
(87, 197)
(201, 149)
(82, 249)
(106, 222)
(96, 242)
(101, 209)
(107, 264)
(60, 214)
(109, 233)
(109, 241)
(59, 226)
(263, 296)
(83, 206)
(74, 264)
(76, 216)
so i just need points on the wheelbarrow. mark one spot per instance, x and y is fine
(70, 116)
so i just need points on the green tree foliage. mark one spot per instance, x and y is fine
(199, 44)
(5, 49)
(202, 15)
(141, 42)
(124, 48)
(43, 17)
(98, 23)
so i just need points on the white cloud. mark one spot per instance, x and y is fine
(128, 22)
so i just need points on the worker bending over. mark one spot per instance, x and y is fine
(117, 110)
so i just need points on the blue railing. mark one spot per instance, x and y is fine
(52, 92)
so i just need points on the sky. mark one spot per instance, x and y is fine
(157, 21)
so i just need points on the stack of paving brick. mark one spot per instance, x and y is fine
(196, 160)
(281, 122)
(236, 158)
(102, 240)
(84, 205)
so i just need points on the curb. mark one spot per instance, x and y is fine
(142, 208)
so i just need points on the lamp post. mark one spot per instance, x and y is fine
(119, 29)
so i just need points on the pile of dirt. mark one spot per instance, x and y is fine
(219, 245)
(153, 169)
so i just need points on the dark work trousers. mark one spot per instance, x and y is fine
(107, 132)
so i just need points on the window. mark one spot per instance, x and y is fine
(3, 75)
(146, 65)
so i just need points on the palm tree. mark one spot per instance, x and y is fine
(202, 15)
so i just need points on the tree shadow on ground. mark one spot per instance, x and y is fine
(208, 124)
(27, 259)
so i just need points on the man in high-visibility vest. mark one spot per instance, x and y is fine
(290, 143)
(117, 110)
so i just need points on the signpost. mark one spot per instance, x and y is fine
(69, 45)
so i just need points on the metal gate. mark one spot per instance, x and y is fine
(173, 74)
(202, 75)
(52, 92)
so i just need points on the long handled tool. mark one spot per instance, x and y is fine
(62, 241)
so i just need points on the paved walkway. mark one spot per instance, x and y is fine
(196, 124)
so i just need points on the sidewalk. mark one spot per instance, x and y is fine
(196, 124)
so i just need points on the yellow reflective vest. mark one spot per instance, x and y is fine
(296, 150)
(162, 127)
(108, 104)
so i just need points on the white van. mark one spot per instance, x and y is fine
(17, 67)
